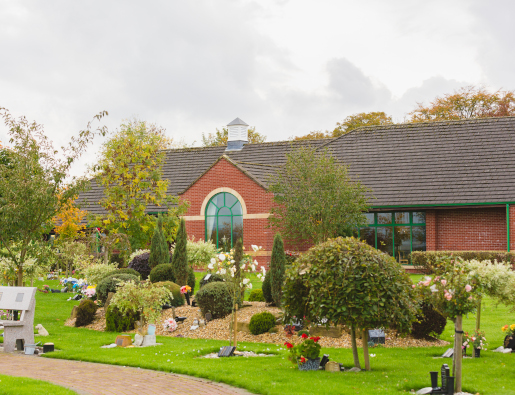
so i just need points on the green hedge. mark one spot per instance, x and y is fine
(425, 259)
(116, 321)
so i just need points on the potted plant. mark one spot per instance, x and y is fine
(477, 340)
(305, 354)
(509, 339)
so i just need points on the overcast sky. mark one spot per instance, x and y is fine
(285, 67)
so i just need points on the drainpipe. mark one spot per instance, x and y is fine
(508, 226)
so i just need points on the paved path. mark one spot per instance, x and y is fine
(99, 379)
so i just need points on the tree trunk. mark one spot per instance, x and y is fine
(459, 358)
(235, 327)
(354, 347)
(364, 339)
(478, 315)
(106, 256)
(20, 276)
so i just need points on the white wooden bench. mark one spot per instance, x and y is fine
(23, 300)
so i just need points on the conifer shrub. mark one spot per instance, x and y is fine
(85, 312)
(277, 267)
(430, 323)
(261, 323)
(267, 288)
(215, 298)
(180, 256)
(140, 264)
(191, 280)
(178, 298)
(163, 272)
(213, 278)
(159, 253)
(110, 284)
(256, 296)
(116, 321)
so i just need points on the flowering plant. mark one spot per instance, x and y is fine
(90, 291)
(307, 349)
(185, 289)
(509, 330)
(170, 325)
(46, 288)
(477, 340)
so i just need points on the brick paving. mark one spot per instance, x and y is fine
(100, 379)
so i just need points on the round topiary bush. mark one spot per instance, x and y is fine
(213, 278)
(116, 321)
(261, 323)
(267, 288)
(215, 298)
(121, 271)
(162, 272)
(191, 280)
(178, 298)
(85, 312)
(429, 323)
(109, 284)
(256, 296)
(140, 264)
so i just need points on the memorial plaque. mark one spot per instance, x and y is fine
(376, 336)
(445, 372)
(324, 360)
(226, 351)
(19, 297)
(208, 317)
(448, 353)
(207, 277)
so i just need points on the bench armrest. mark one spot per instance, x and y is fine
(12, 323)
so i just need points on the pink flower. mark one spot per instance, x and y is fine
(426, 283)
(444, 282)
(448, 296)
(437, 278)
(468, 288)
(470, 297)
(413, 286)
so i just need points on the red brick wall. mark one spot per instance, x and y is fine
(467, 229)
(257, 200)
(512, 227)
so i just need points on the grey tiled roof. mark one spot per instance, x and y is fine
(432, 163)
(468, 161)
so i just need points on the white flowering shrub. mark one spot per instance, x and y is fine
(200, 252)
(96, 272)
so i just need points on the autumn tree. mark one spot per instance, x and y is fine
(314, 135)
(466, 102)
(130, 170)
(220, 137)
(315, 197)
(69, 221)
(35, 184)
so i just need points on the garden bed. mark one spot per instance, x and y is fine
(219, 329)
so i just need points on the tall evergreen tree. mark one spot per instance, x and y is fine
(180, 257)
(277, 267)
(238, 258)
(158, 248)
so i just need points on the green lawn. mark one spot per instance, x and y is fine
(393, 370)
(25, 386)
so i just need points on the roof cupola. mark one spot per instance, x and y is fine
(238, 135)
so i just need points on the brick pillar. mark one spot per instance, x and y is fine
(512, 227)
(431, 236)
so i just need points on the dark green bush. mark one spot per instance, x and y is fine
(213, 278)
(122, 271)
(159, 253)
(85, 312)
(116, 321)
(191, 280)
(303, 332)
(140, 264)
(163, 272)
(180, 257)
(109, 284)
(267, 288)
(261, 323)
(178, 298)
(425, 260)
(215, 298)
(256, 296)
(429, 323)
(117, 258)
(277, 266)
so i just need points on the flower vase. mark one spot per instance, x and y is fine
(310, 364)
(151, 329)
(187, 296)
(477, 352)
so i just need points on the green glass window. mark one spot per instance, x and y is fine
(224, 220)
(396, 233)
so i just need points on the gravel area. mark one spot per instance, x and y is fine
(219, 329)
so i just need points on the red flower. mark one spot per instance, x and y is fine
(304, 336)
(315, 339)
(288, 345)
(302, 359)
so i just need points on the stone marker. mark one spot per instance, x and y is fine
(208, 317)
(138, 340)
(123, 341)
(108, 300)
(426, 390)
(226, 351)
(149, 340)
(448, 353)
(74, 312)
(376, 336)
(354, 369)
(332, 331)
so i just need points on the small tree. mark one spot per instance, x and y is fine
(349, 282)
(315, 197)
(159, 248)
(68, 222)
(180, 256)
(277, 267)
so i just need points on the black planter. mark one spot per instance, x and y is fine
(187, 295)
(509, 342)
(477, 352)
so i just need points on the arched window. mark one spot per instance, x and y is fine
(224, 220)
